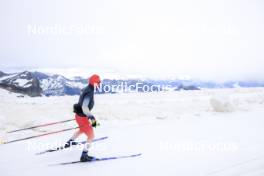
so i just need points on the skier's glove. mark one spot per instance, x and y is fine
(91, 117)
(95, 123)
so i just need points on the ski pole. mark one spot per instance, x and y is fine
(43, 125)
(30, 137)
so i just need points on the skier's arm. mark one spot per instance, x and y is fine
(85, 108)
(87, 112)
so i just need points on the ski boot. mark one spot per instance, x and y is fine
(69, 143)
(86, 158)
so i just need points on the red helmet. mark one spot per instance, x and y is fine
(94, 80)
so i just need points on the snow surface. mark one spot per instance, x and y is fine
(6, 77)
(23, 82)
(207, 132)
(50, 84)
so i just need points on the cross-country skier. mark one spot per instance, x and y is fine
(85, 120)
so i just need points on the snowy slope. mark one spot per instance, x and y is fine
(47, 84)
(24, 82)
(58, 85)
(44, 84)
(208, 132)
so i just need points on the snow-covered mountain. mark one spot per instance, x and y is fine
(38, 83)
(2, 74)
(25, 82)
(58, 85)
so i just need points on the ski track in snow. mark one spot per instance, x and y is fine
(158, 125)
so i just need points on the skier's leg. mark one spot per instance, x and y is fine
(88, 131)
(90, 137)
(70, 142)
(76, 135)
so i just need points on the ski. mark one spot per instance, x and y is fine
(62, 147)
(99, 159)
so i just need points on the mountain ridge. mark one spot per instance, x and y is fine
(35, 83)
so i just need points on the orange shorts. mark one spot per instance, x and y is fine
(85, 126)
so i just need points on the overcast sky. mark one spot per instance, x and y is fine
(207, 39)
